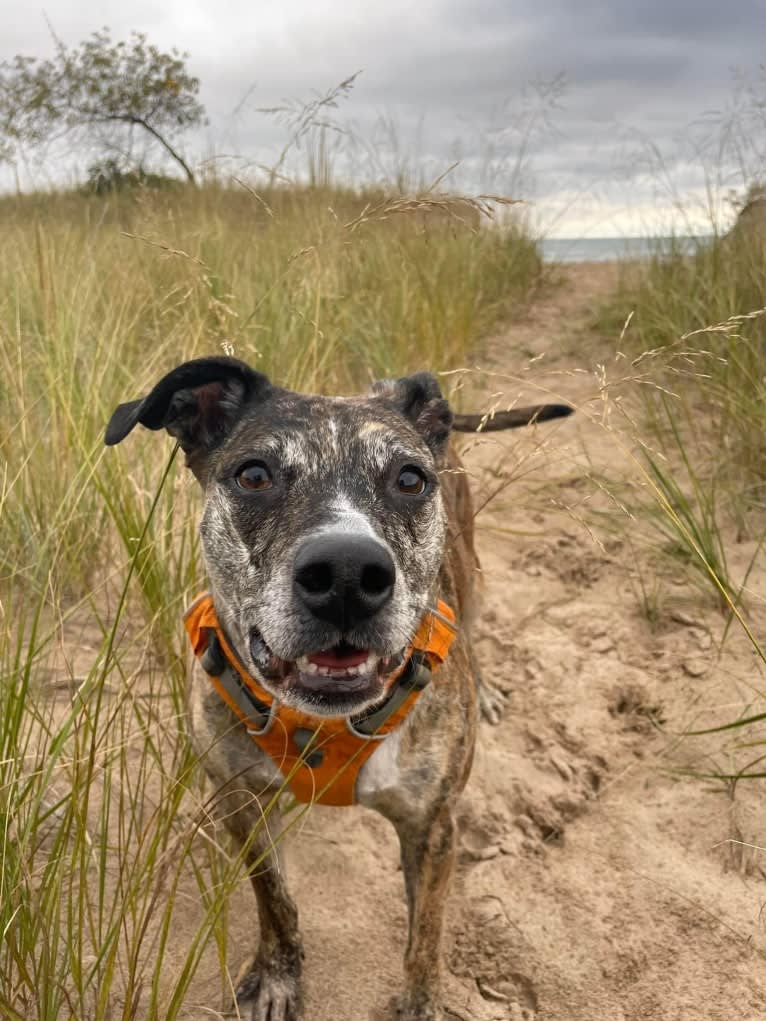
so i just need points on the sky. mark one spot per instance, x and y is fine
(593, 112)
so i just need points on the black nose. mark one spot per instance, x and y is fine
(343, 579)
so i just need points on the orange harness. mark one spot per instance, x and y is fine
(320, 757)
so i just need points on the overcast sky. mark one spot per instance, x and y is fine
(457, 79)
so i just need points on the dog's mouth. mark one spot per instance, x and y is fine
(335, 679)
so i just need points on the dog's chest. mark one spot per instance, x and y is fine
(381, 773)
(397, 780)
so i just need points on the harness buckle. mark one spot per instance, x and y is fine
(417, 674)
(212, 659)
(214, 662)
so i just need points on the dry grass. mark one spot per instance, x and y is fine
(103, 841)
(696, 342)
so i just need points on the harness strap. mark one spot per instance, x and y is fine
(320, 757)
(414, 678)
(249, 707)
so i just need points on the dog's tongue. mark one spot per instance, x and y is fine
(341, 657)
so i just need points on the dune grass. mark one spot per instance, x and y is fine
(113, 886)
(696, 342)
(697, 335)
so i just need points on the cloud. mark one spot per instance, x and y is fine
(448, 71)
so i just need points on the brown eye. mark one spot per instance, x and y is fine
(254, 477)
(411, 481)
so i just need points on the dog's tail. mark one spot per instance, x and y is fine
(512, 419)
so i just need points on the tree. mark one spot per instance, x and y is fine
(100, 90)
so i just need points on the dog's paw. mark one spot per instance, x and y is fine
(270, 992)
(492, 703)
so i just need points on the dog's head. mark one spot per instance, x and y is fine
(323, 527)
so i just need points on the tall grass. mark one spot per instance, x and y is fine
(99, 297)
(113, 887)
(696, 340)
(698, 332)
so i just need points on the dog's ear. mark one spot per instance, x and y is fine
(198, 403)
(419, 398)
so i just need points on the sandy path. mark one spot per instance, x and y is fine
(591, 885)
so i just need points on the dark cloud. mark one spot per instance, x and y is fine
(687, 20)
(451, 75)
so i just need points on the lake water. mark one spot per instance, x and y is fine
(609, 249)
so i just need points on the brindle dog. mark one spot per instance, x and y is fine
(330, 526)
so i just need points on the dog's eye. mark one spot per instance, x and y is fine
(254, 477)
(411, 481)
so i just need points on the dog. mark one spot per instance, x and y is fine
(333, 528)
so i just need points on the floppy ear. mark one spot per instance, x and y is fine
(198, 403)
(419, 398)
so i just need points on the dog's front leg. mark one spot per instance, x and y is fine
(428, 856)
(271, 984)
